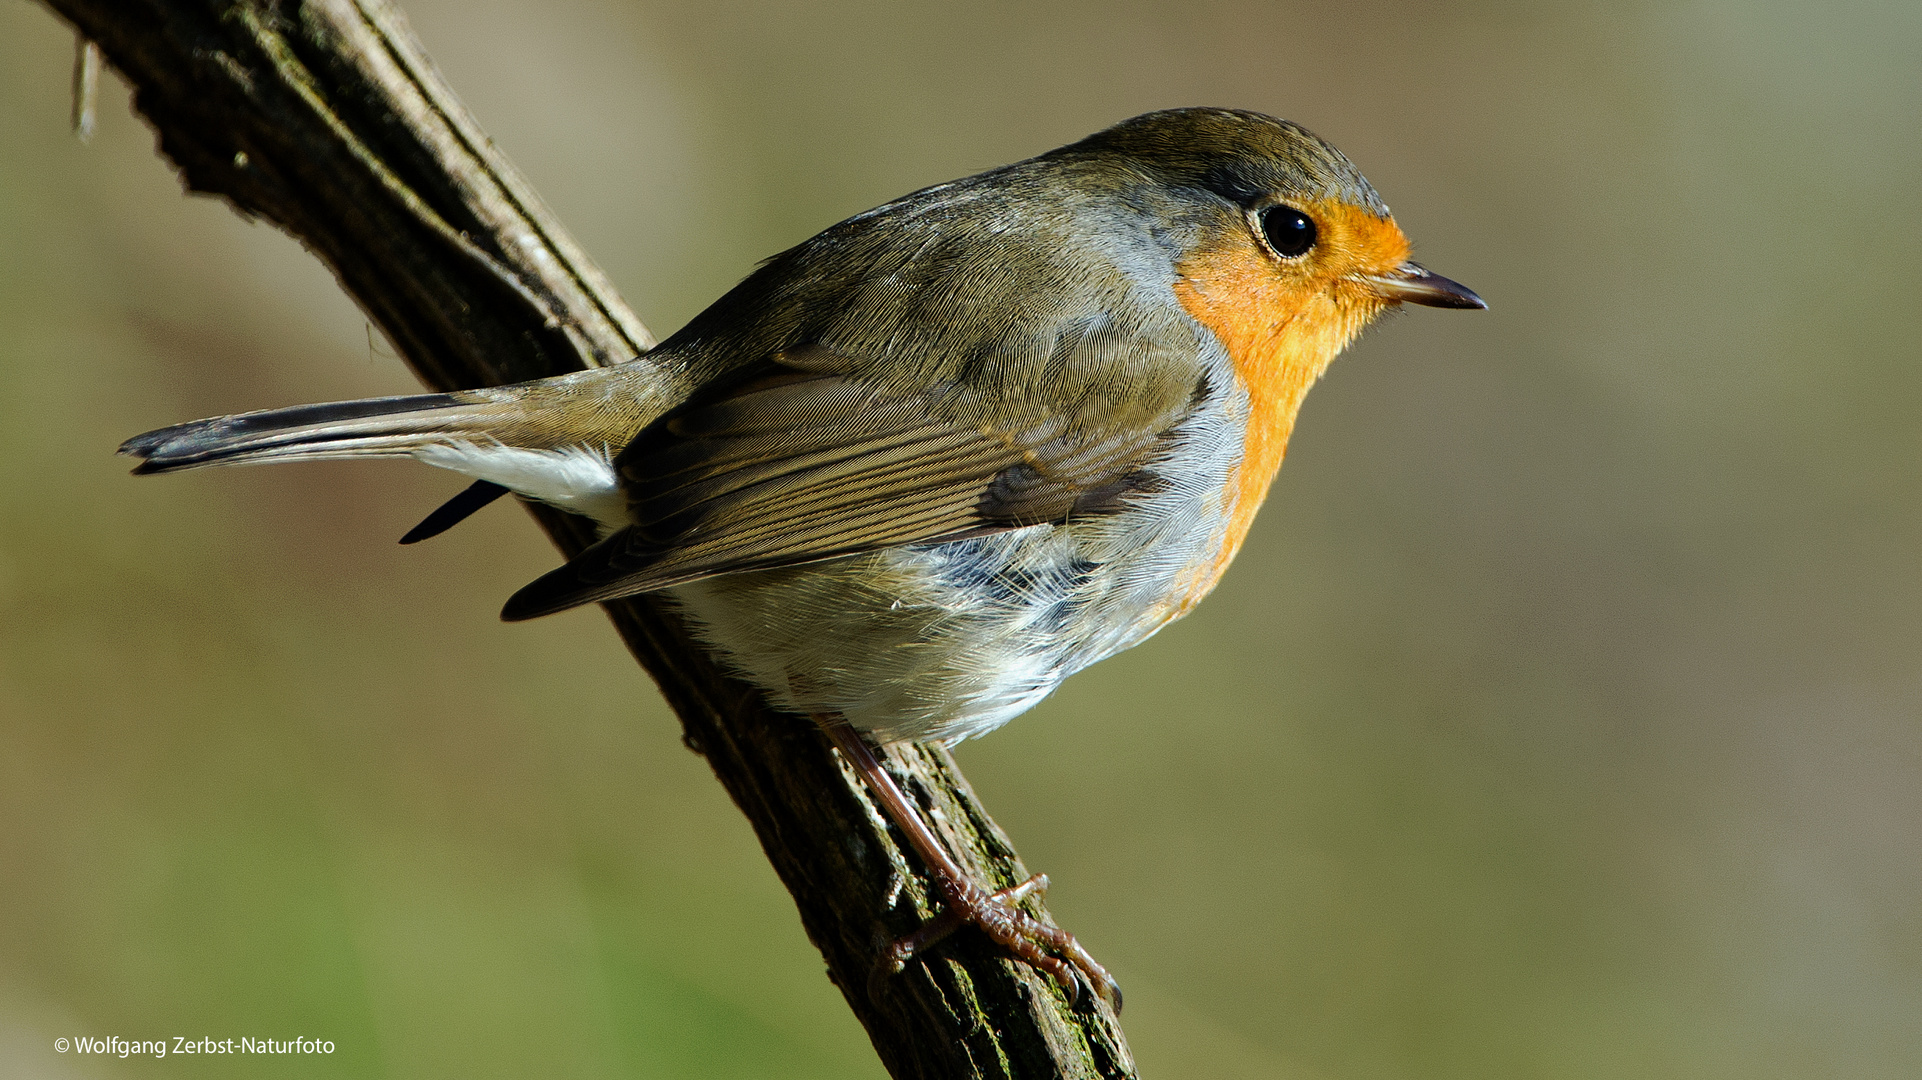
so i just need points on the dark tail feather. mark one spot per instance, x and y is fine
(339, 429)
(455, 510)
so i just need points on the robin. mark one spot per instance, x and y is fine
(914, 472)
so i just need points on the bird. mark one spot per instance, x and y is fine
(910, 474)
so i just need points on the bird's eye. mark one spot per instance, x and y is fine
(1288, 231)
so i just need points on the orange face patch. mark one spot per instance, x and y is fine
(1281, 322)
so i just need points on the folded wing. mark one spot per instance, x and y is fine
(810, 462)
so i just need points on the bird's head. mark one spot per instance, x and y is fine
(1277, 216)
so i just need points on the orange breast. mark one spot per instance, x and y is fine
(1281, 326)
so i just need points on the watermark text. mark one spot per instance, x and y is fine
(115, 1046)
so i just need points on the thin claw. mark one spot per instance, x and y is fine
(1103, 983)
(1034, 886)
(1063, 977)
(904, 949)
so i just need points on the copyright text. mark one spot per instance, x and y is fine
(182, 1044)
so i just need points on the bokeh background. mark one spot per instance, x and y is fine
(1561, 719)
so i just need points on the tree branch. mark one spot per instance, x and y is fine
(326, 118)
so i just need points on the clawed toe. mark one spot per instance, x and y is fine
(1028, 938)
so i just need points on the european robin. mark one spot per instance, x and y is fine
(912, 473)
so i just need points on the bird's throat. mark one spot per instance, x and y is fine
(1280, 337)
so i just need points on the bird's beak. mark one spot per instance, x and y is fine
(1412, 283)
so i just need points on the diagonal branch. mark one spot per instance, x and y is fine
(326, 118)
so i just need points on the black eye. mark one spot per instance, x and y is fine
(1289, 231)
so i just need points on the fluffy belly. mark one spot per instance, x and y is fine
(943, 642)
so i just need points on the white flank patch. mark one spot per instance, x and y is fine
(578, 479)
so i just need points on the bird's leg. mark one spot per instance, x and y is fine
(994, 912)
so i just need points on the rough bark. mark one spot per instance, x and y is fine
(327, 119)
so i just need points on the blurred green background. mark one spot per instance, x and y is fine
(1560, 719)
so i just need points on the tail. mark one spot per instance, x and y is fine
(553, 440)
(373, 427)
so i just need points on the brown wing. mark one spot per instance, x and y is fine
(811, 463)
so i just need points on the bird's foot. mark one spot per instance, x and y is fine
(1027, 937)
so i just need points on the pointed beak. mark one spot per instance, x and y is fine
(1412, 283)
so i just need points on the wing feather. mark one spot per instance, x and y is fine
(812, 461)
